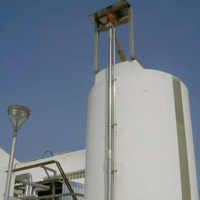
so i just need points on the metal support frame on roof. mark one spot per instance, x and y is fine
(96, 48)
(120, 51)
(124, 14)
(52, 183)
(60, 169)
(47, 168)
(131, 34)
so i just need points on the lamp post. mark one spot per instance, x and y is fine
(18, 115)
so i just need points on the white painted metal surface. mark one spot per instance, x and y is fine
(77, 188)
(189, 138)
(147, 156)
(3, 174)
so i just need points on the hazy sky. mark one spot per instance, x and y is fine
(46, 64)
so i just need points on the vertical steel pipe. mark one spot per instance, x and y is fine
(10, 166)
(109, 161)
(113, 122)
(96, 49)
(131, 34)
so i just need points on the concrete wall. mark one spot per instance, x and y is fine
(72, 163)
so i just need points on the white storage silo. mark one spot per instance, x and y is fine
(154, 152)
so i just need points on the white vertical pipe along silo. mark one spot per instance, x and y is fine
(154, 151)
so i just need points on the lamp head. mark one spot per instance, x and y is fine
(18, 115)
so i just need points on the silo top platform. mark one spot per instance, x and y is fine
(120, 9)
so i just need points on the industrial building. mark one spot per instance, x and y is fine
(72, 163)
(139, 134)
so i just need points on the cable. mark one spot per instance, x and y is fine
(46, 152)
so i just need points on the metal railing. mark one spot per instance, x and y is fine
(78, 188)
(73, 195)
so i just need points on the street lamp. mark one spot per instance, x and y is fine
(18, 115)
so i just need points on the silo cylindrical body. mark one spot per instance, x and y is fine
(154, 151)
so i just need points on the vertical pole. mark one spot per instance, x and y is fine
(96, 48)
(131, 34)
(109, 161)
(10, 166)
(113, 122)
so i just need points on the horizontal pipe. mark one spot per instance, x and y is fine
(36, 190)
(28, 177)
(33, 166)
(33, 184)
(53, 196)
